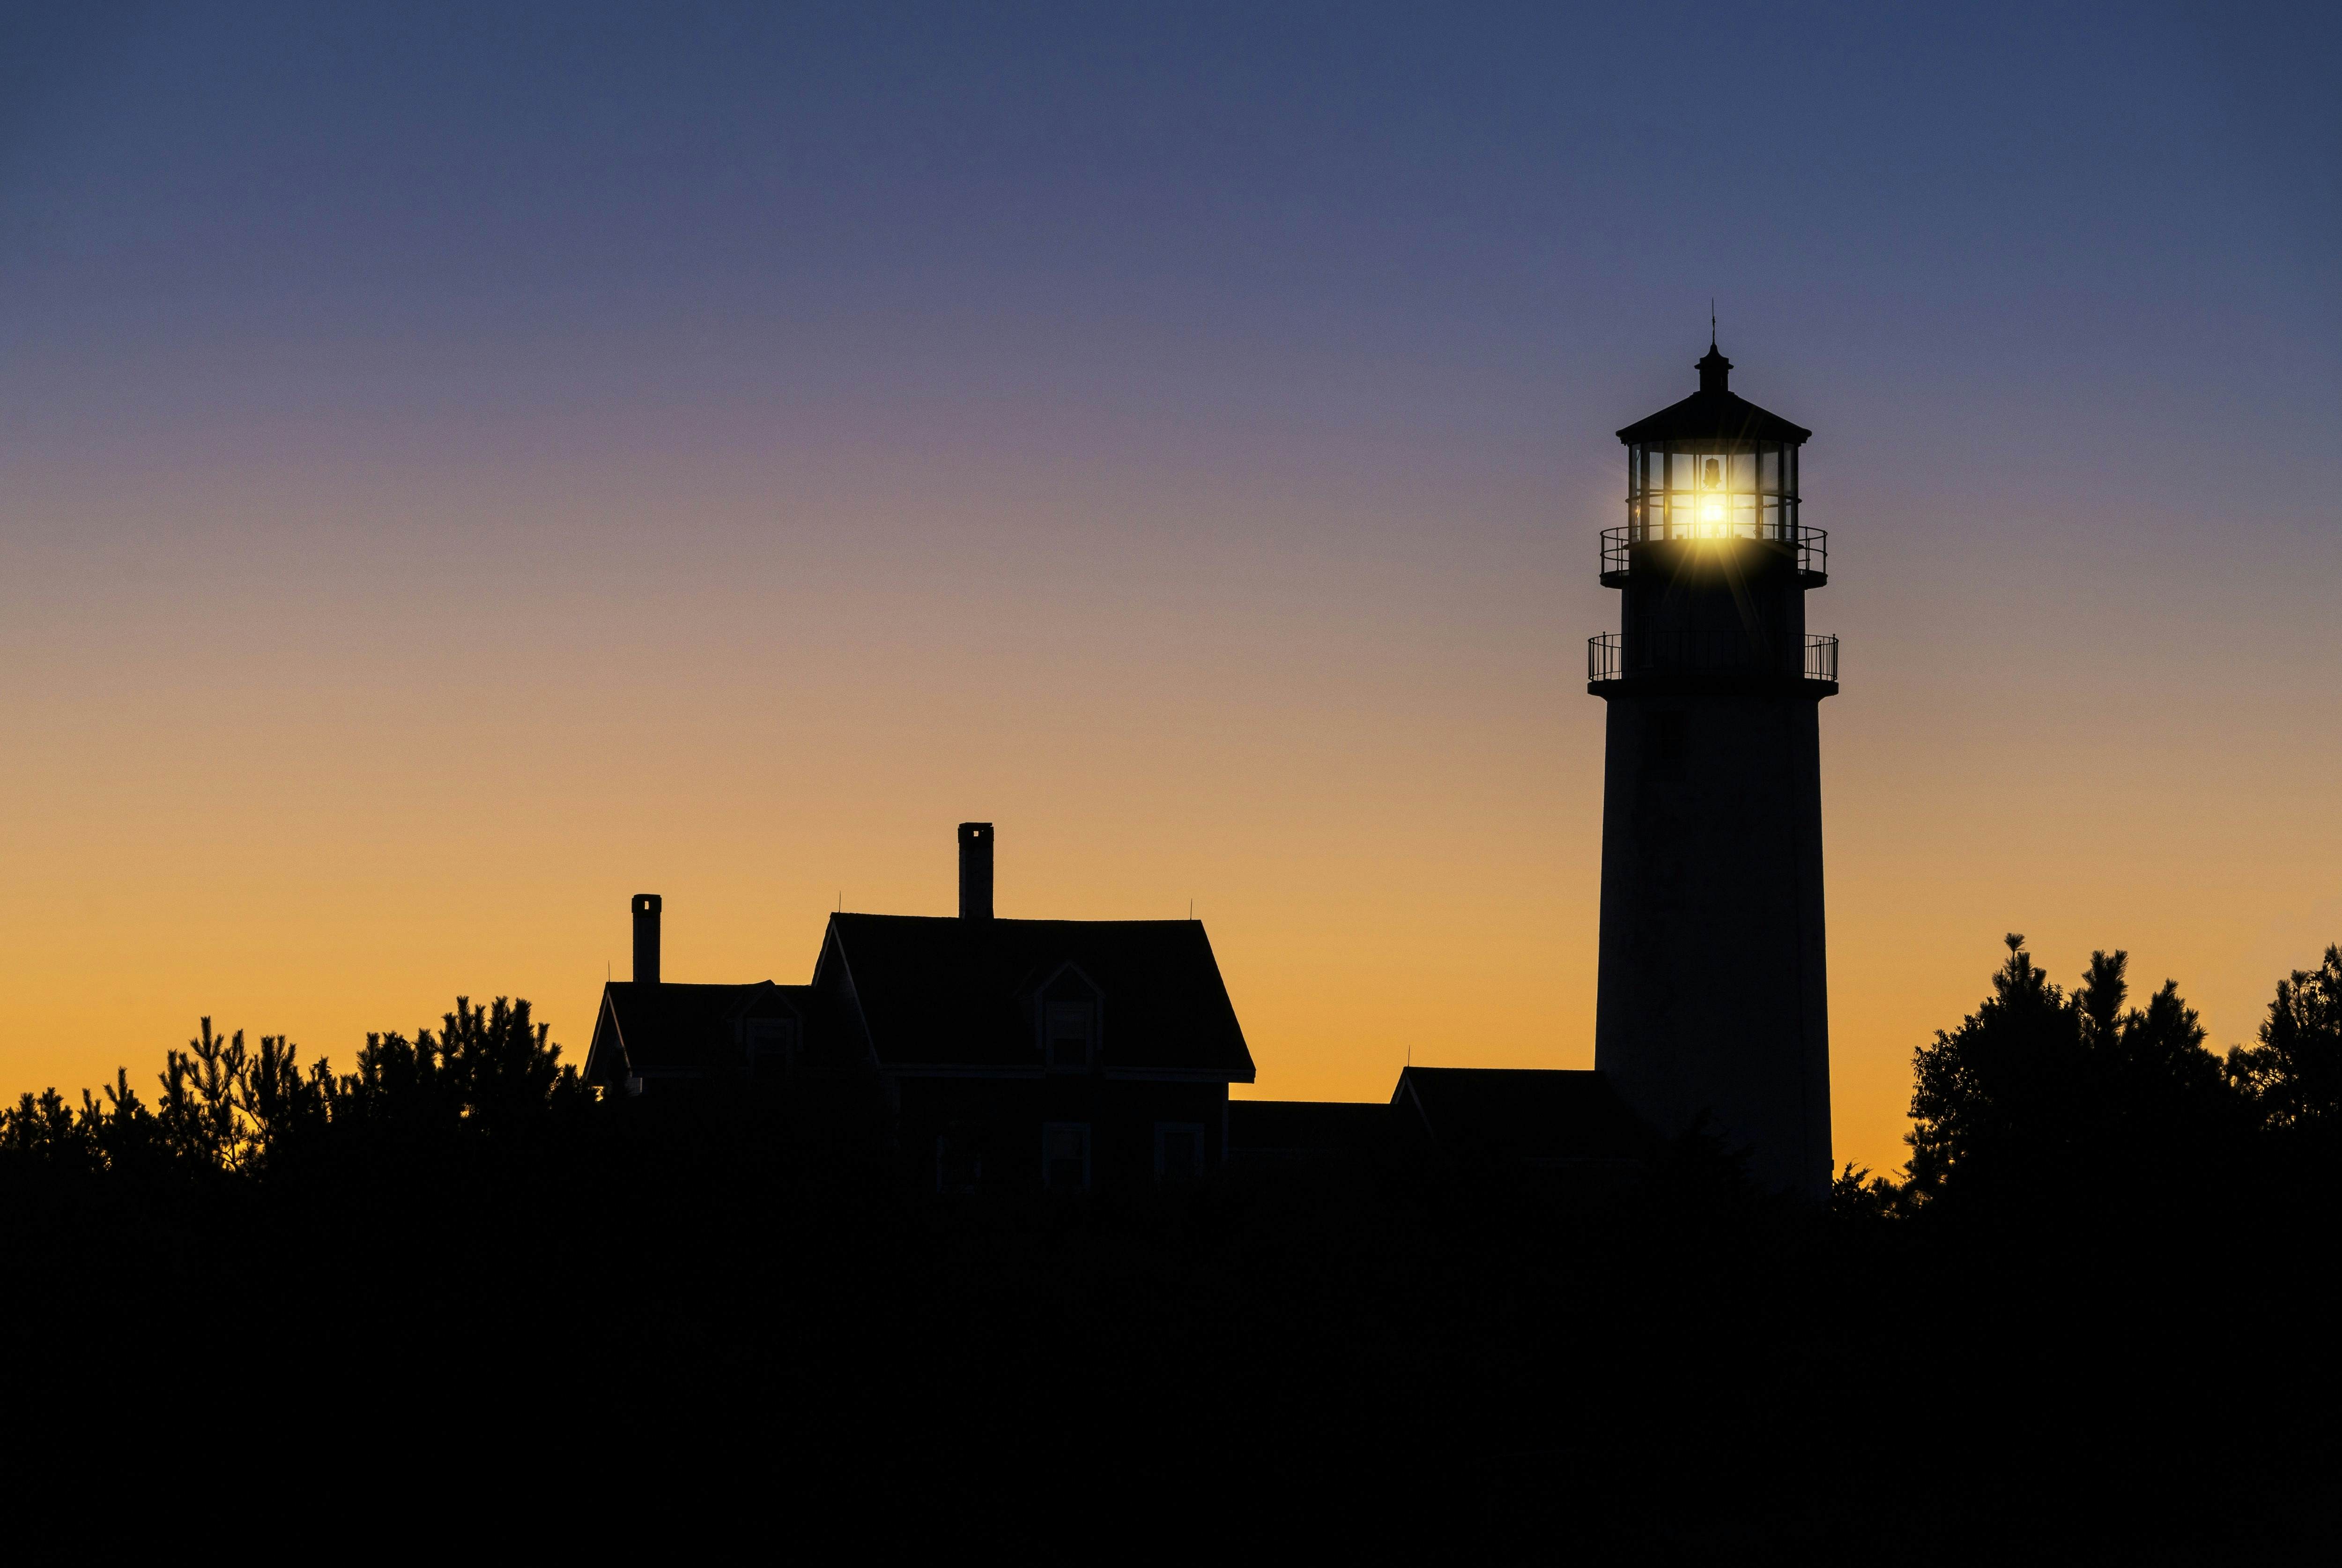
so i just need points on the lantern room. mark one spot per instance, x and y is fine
(1713, 466)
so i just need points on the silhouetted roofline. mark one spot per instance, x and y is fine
(1725, 416)
(939, 995)
(853, 916)
(674, 1029)
(1715, 413)
(1541, 1115)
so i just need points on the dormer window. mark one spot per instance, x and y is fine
(1070, 1011)
(1071, 1036)
(772, 1044)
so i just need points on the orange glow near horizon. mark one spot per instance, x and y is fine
(324, 792)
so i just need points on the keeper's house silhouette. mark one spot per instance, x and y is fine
(1066, 1052)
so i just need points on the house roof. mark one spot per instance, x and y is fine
(676, 1029)
(937, 991)
(1531, 1114)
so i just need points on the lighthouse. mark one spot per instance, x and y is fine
(1712, 1006)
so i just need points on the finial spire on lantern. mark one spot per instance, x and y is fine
(1714, 370)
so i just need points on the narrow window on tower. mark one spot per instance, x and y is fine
(1666, 749)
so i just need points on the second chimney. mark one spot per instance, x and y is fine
(646, 938)
(975, 871)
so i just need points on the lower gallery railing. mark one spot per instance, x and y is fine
(1610, 657)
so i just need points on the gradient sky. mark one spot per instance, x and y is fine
(461, 469)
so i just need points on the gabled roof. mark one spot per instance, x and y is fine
(943, 991)
(1528, 1112)
(1715, 411)
(676, 1030)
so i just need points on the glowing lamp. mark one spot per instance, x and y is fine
(1711, 498)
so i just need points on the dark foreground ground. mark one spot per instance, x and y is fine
(696, 1328)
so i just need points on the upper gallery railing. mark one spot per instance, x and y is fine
(1812, 544)
(1607, 656)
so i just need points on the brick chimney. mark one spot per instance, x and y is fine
(646, 938)
(975, 871)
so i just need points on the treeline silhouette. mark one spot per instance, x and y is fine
(2038, 1088)
(2095, 1317)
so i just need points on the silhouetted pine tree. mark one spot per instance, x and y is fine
(2036, 1089)
(2293, 1078)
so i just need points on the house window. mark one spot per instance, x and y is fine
(959, 1161)
(1072, 1034)
(1066, 1156)
(1178, 1150)
(772, 1042)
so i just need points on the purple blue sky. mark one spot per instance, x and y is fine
(465, 465)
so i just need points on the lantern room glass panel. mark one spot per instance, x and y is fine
(1716, 488)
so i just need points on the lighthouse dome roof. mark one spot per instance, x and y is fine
(1715, 413)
